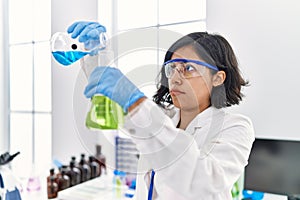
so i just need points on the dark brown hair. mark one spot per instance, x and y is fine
(215, 50)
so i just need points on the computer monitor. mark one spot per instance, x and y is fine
(274, 167)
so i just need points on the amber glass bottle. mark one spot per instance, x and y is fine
(52, 188)
(63, 180)
(52, 174)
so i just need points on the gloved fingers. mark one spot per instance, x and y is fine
(91, 40)
(90, 91)
(100, 88)
(89, 34)
(72, 27)
(94, 81)
(92, 31)
(77, 28)
(96, 75)
(106, 73)
(103, 79)
(97, 26)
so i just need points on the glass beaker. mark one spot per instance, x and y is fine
(104, 113)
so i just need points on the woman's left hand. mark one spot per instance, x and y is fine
(111, 82)
(86, 32)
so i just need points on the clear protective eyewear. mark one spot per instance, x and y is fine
(186, 67)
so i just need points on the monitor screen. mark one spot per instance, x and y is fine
(274, 167)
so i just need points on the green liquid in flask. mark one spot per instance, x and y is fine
(104, 114)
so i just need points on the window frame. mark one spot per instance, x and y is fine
(37, 145)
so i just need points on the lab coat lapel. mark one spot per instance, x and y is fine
(201, 120)
(207, 129)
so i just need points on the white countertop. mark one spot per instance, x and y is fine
(95, 189)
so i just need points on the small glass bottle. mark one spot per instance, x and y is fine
(95, 167)
(73, 159)
(76, 164)
(100, 158)
(74, 174)
(63, 180)
(52, 188)
(85, 169)
(52, 173)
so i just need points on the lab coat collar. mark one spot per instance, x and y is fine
(200, 120)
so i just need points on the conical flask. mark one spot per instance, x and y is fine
(67, 50)
(104, 113)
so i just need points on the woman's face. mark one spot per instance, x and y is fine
(192, 93)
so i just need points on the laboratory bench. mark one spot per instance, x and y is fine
(100, 188)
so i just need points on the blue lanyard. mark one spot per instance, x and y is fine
(151, 185)
(1, 182)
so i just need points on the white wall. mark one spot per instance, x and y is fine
(265, 36)
(4, 144)
(70, 137)
(2, 81)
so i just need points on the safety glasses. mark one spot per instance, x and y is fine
(186, 68)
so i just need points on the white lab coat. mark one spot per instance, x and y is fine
(199, 163)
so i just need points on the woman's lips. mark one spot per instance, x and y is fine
(176, 92)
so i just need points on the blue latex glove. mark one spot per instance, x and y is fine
(111, 82)
(87, 32)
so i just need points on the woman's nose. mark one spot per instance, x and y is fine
(176, 77)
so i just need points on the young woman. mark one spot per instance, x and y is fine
(190, 147)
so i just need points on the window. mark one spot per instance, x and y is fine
(147, 31)
(29, 29)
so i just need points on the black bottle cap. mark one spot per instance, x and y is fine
(51, 171)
